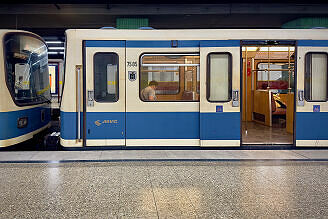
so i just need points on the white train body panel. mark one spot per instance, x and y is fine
(132, 122)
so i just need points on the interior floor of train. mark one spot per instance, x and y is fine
(255, 133)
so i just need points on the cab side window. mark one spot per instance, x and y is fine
(26, 64)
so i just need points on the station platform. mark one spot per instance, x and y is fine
(164, 184)
(161, 155)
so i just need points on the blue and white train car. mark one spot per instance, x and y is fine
(224, 88)
(25, 93)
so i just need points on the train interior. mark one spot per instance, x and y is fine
(268, 94)
(177, 76)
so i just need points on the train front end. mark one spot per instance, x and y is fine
(24, 87)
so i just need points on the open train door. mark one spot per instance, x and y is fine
(312, 93)
(104, 89)
(220, 93)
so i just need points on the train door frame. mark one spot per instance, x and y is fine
(56, 64)
(309, 118)
(259, 42)
(60, 66)
(220, 120)
(108, 126)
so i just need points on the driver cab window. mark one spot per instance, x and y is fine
(26, 60)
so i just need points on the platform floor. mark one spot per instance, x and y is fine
(159, 155)
(164, 184)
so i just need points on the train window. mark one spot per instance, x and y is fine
(219, 71)
(279, 76)
(169, 77)
(27, 73)
(315, 82)
(105, 77)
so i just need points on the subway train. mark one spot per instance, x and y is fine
(25, 94)
(203, 88)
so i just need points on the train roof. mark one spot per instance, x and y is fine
(2, 31)
(198, 34)
(5, 31)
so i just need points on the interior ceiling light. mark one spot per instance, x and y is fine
(277, 49)
(250, 49)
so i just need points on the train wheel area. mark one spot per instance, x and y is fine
(41, 141)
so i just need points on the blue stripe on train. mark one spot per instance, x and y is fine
(163, 125)
(185, 43)
(100, 125)
(149, 44)
(183, 125)
(312, 126)
(110, 125)
(220, 126)
(220, 43)
(105, 43)
(314, 43)
(8, 122)
(162, 43)
(154, 125)
(68, 125)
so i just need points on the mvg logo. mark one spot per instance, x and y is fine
(108, 121)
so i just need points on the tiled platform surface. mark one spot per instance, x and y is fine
(164, 155)
(158, 189)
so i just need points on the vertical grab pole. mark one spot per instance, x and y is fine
(78, 103)
(246, 88)
(268, 87)
(289, 71)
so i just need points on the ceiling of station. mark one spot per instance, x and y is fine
(50, 18)
(157, 2)
(53, 19)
